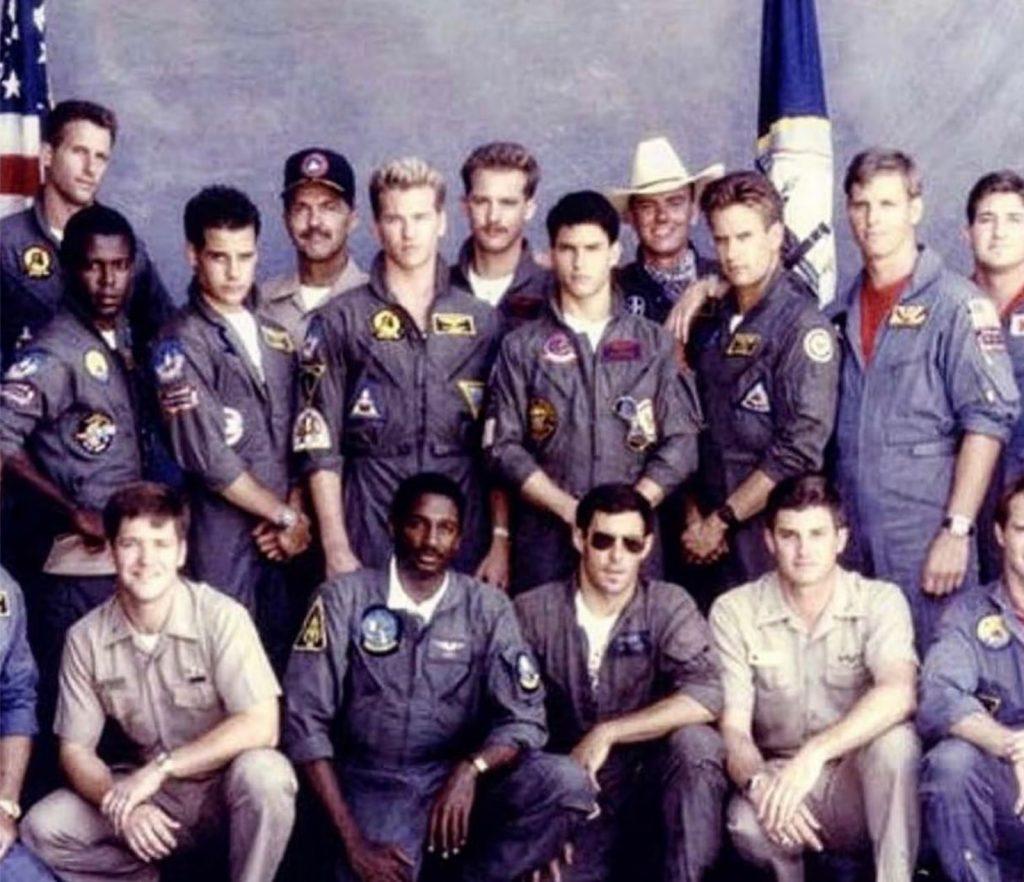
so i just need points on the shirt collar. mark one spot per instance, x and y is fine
(181, 621)
(398, 598)
(842, 605)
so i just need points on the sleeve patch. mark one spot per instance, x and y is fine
(313, 634)
(168, 361)
(818, 346)
(311, 431)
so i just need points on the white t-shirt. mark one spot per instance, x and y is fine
(593, 330)
(110, 338)
(398, 598)
(598, 630)
(311, 296)
(244, 324)
(490, 290)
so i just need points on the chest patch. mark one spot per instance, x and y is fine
(743, 345)
(453, 324)
(313, 633)
(541, 418)
(386, 325)
(37, 262)
(756, 399)
(992, 632)
(95, 433)
(558, 349)
(380, 630)
(277, 338)
(908, 315)
(97, 366)
(631, 643)
(620, 350)
(311, 431)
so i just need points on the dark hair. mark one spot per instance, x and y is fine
(93, 220)
(749, 188)
(145, 499)
(583, 207)
(72, 111)
(801, 492)
(218, 207)
(423, 484)
(503, 156)
(1003, 181)
(614, 499)
(880, 160)
(1002, 514)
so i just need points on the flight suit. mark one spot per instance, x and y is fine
(647, 296)
(224, 418)
(796, 683)
(585, 418)
(381, 401)
(768, 389)
(975, 666)
(659, 646)
(396, 703)
(939, 371)
(207, 665)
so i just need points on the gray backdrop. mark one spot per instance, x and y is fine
(222, 91)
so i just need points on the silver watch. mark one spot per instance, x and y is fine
(287, 518)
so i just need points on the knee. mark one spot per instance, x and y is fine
(949, 766)
(896, 751)
(745, 831)
(695, 750)
(564, 780)
(265, 776)
(50, 823)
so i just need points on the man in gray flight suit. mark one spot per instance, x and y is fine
(926, 397)
(767, 370)
(632, 685)
(179, 667)
(319, 197)
(586, 394)
(225, 379)
(972, 704)
(415, 711)
(69, 429)
(392, 378)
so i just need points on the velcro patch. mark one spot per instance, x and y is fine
(620, 350)
(456, 324)
(757, 399)
(743, 344)
(818, 345)
(908, 315)
(310, 431)
(313, 633)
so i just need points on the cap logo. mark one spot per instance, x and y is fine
(314, 165)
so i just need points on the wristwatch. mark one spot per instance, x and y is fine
(10, 808)
(480, 764)
(958, 525)
(727, 515)
(287, 518)
(752, 782)
(165, 763)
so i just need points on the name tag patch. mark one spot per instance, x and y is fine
(908, 315)
(455, 324)
(620, 350)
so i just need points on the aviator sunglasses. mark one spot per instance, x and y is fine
(602, 541)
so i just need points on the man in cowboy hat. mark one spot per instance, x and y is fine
(661, 202)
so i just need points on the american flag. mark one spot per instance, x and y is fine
(24, 99)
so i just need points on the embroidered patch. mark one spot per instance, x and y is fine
(310, 431)
(992, 632)
(1017, 324)
(313, 343)
(5, 605)
(97, 366)
(365, 406)
(179, 398)
(314, 165)
(313, 633)
(541, 418)
(527, 673)
(743, 345)
(386, 325)
(455, 324)
(631, 643)
(908, 315)
(642, 428)
(473, 394)
(278, 339)
(818, 345)
(635, 305)
(558, 349)
(521, 306)
(25, 366)
(449, 649)
(983, 313)
(234, 426)
(620, 350)
(990, 339)
(18, 395)
(95, 433)
(37, 262)
(757, 399)
(168, 361)
(380, 630)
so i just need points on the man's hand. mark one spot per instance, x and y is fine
(131, 791)
(1013, 747)
(553, 871)
(449, 818)
(946, 563)
(593, 750)
(380, 862)
(8, 833)
(688, 306)
(340, 561)
(149, 832)
(494, 568)
(278, 543)
(704, 539)
(89, 525)
(788, 788)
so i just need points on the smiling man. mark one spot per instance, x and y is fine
(415, 711)
(631, 682)
(178, 666)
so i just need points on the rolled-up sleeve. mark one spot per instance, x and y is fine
(18, 673)
(949, 681)
(80, 714)
(737, 674)
(687, 658)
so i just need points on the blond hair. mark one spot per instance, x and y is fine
(405, 174)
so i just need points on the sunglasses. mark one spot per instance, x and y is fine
(603, 541)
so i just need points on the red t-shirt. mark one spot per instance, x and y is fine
(875, 306)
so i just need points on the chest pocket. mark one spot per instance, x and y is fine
(772, 668)
(629, 661)
(448, 665)
(197, 695)
(845, 670)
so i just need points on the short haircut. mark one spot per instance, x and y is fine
(405, 174)
(1002, 515)
(879, 160)
(614, 499)
(93, 220)
(425, 483)
(502, 156)
(801, 492)
(583, 207)
(1003, 181)
(218, 207)
(748, 188)
(145, 499)
(72, 111)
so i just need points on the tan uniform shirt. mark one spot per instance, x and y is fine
(280, 300)
(207, 664)
(795, 683)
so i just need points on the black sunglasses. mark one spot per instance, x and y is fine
(603, 541)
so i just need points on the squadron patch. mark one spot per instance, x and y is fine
(743, 345)
(757, 399)
(456, 324)
(985, 321)
(314, 165)
(313, 633)
(278, 339)
(310, 431)
(642, 429)
(18, 395)
(380, 630)
(473, 394)
(908, 315)
(37, 262)
(169, 361)
(541, 418)
(818, 345)
(386, 325)
(25, 366)
(95, 433)
(96, 365)
(234, 426)
(992, 632)
(364, 407)
(558, 349)
(620, 350)
(527, 673)
(5, 605)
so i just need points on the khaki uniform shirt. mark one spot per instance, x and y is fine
(208, 663)
(281, 302)
(795, 683)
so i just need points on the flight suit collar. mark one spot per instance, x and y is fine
(227, 332)
(1001, 598)
(526, 267)
(42, 224)
(288, 289)
(122, 330)
(844, 604)
(378, 284)
(181, 620)
(553, 307)
(771, 294)
(631, 611)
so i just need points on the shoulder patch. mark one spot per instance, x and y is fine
(992, 632)
(168, 361)
(25, 366)
(310, 431)
(635, 305)
(5, 605)
(527, 673)
(364, 404)
(18, 395)
(234, 426)
(473, 394)
(313, 633)
(456, 324)
(818, 345)
(756, 399)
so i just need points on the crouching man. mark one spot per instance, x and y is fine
(179, 666)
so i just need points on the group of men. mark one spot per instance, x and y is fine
(583, 436)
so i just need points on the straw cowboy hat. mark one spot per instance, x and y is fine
(657, 168)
